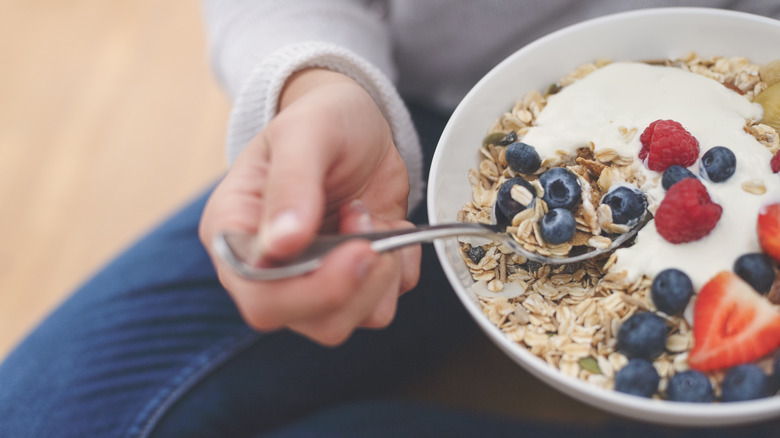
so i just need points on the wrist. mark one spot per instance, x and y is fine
(304, 81)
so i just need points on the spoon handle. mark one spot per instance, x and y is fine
(239, 249)
(387, 241)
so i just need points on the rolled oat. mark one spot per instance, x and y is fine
(571, 318)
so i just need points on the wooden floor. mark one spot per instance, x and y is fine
(109, 119)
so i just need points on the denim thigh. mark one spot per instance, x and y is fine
(153, 346)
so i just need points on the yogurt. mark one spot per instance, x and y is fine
(624, 96)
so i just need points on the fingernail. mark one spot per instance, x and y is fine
(364, 223)
(282, 225)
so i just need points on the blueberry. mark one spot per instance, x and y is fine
(757, 270)
(638, 377)
(643, 335)
(671, 290)
(508, 139)
(508, 205)
(522, 158)
(745, 382)
(718, 164)
(557, 226)
(476, 253)
(674, 174)
(500, 219)
(628, 204)
(690, 386)
(561, 188)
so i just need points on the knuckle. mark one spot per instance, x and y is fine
(258, 316)
(336, 297)
(254, 313)
(226, 279)
(259, 321)
(392, 268)
(410, 279)
(380, 319)
(411, 284)
(333, 335)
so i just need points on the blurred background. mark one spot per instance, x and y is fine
(109, 120)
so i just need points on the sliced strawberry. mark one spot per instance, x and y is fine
(769, 230)
(732, 324)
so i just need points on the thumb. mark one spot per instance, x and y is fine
(294, 199)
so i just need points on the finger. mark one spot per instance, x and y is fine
(294, 203)
(410, 259)
(236, 203)
(373, 303)
(384, 311)
(335, 327)
(354, 218)
(270, 305)
(273, 304)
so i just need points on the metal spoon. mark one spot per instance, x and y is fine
(239, 250)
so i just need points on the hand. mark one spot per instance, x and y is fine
(326, 162)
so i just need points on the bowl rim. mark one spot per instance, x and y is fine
(664, 412)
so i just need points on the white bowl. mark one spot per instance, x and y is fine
(636, 35)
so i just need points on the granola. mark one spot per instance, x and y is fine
(569, 315)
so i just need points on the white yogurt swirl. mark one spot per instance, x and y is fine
(633, 95)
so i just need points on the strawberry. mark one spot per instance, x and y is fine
(769, 230)
(732, 324)
(686, 213)
(666, 143)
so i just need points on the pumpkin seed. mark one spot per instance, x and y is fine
(590, 364)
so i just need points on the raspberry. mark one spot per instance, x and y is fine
(666, 143)
(686, 213)
(775, 162)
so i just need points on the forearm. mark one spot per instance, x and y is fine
(242, 33)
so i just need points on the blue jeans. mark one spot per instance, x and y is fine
(153, 346)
